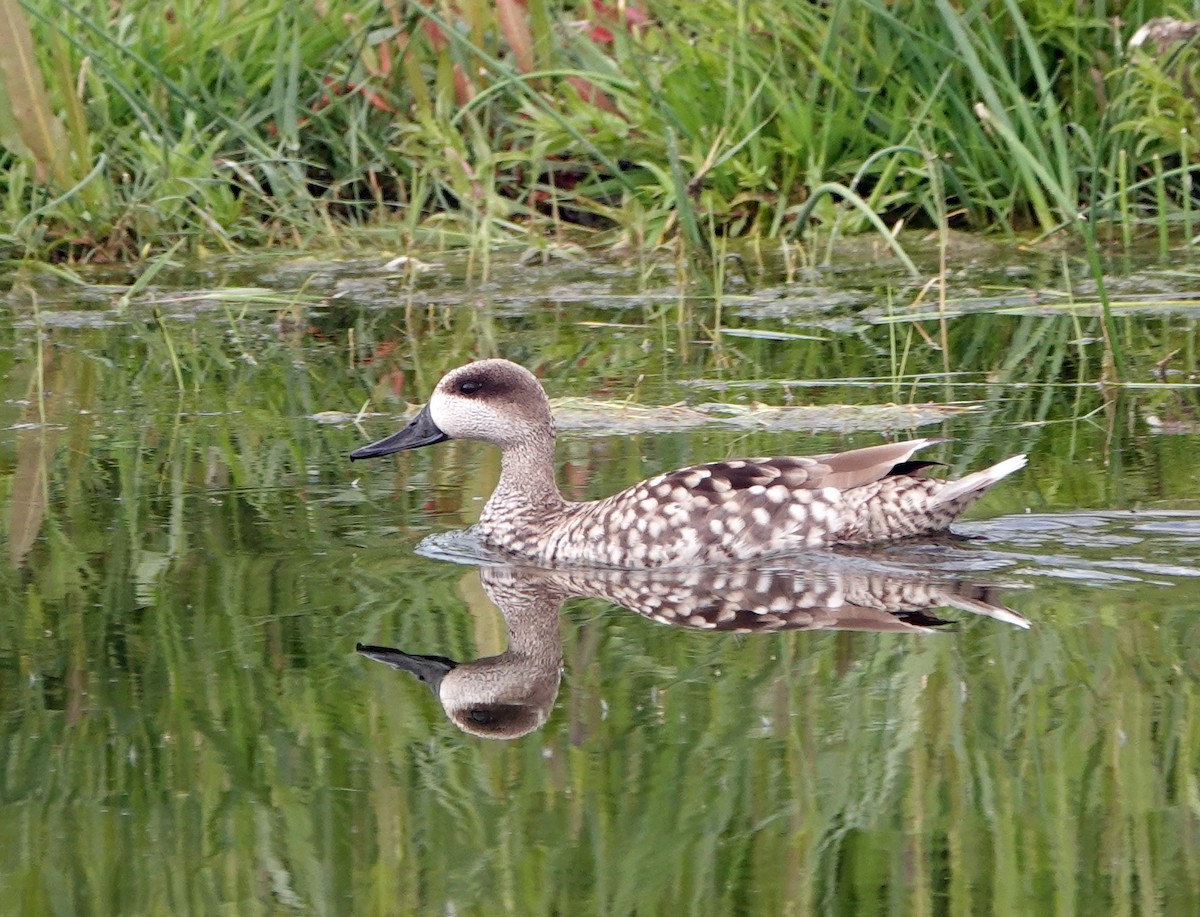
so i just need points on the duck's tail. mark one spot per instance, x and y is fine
(974, 484)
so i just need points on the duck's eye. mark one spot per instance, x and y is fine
(470, 387)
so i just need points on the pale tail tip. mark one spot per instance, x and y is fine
(1008, 466)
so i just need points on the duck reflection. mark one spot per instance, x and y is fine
(510, 695)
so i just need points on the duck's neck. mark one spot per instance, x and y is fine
(527, 486)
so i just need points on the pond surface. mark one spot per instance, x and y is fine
(1007, 722)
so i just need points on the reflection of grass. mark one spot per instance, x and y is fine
(180, 706)
(225, 731)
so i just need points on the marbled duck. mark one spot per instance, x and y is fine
(712, 513)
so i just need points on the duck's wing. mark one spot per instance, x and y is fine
(865, 466)
(737, 509)
(840, 470)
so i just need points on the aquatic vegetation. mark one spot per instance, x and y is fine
(190, 561)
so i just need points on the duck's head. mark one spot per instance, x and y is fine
(494, 401)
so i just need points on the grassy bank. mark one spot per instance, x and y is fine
(126, 128)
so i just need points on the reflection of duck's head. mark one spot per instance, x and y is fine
(496, 697)
(504, 696)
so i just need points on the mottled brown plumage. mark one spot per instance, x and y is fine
(705, 514)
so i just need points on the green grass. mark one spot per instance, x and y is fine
(234, 125)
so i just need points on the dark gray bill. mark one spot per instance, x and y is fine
(421, 431)
(429, 669)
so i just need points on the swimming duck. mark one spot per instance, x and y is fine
(705, 514)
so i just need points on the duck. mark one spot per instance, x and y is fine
(713, 513)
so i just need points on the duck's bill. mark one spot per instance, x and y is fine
(429, 669)
(421, 431)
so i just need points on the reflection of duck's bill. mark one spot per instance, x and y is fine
(420, 431)
(429, 669)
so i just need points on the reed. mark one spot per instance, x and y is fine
(322, 124)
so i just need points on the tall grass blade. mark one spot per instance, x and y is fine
(515, 27)
(697, 244)
(1112, 349)
(522, 89)
(94, 175)
(992, 102)
(38, 132)
(147, 276)
(856, 201)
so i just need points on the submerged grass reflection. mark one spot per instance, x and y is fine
(223, 732)
(186, 729)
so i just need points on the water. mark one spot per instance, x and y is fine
(187, 727)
